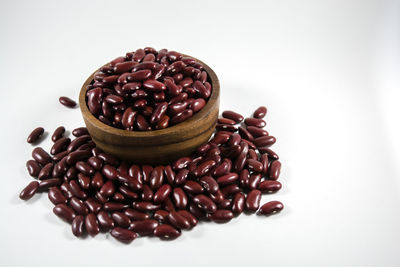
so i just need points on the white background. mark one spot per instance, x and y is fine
(328, 71)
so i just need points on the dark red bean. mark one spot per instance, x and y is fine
(91, 224)
(232, 115)
(189, 217)
(270, 208)
(94, 98)
(60, 145)
(230, 190)
(238, 203)
(256, 132)
(121, 219)
(178, 220)
(269, 186)
(156, 178)
(228, 178)
(181, 163)
(78, 226)
(64, 212)
(254, 165)
(245, 134)
(123, 235)
(181, 116)
(109, 159)
(41, 156)
(260, 112)
(77, 142)
(192, 187)
(154, 85)
(210, 184)
(166, 232)
(76, 190)
(60, 156)
(78, 206)
(222, 216)
(253, 200)
(254, 180)
(145, 206)
(33, 168)
(84, 168)
(255, 122)
(58, 133)
(93, 205)
(46, 171)
(269, 152)
(144, 227)
(56, 196)
(169, 174)
(108, 189)
(274, 170)
(45, 184)
(66, 190)
(66, 101)
(180, 198)
(35, 135)
(114, 206)
(162, 193)
(29, 191)
(122, 67)
(145, 66)
(264, 141)
(204, 168)
(197, 105)
(136, 215)
(110, 172)
(141, 123)
(205, 203)
(158, 112)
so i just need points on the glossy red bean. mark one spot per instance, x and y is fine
(77, 142)
(46, 184)
(41, 156)
(232, 115)
(46, 171)
(260, 112)
(209, 184)
(254, 165)
(179, 221)
(270, 208)
(274, 170)
(91, 224)
(58, 133)
(56, 196)
(121, 219)
(123, 235)
(93, 205)
(192, 187)
(256, 132)
(161, 215)
(78, 226)
(162, 193)
(145, 206)
(204, 168)
(33, 168)
(35, 135)
(29, 191)
(166, 232)
(108, 189)
(255, 122)
(64, 212)
(135, 215)
(253, 200)
(222, 216)
(254, 180)
(205, 203)
(181, 116)
(144, 227)
(66, 101)
(264, 141)
(227, 179)
(180, 198)
(110, 172)
(114, 206)
(78, 206)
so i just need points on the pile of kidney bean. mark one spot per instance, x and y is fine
(95, 191)
(148, 90)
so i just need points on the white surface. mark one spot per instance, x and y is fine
(327, 70)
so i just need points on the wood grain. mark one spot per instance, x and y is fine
(159, 146)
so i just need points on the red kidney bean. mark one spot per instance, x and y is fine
(60, 156)
(144, 227)
(123, 235)
(29, 191)
(84, 168)
(241, 160)
(230, 190)
(94, 98)
(136, 215)
(256, 132)
(197, 105)
(78, 225)
(77, 142)
(145, 206)
(60, 145)
(121, 219)
(274, 170)
(245, 134)
(126, 66)
(108, 189)
(189, 217)
(41, 156)
(76, 190)
(169, 174)
(209, 184)
(162, 193)
(253, 200)
(254, 165)
(181, 116)
(232, 115)
(58, 133)
(66, 190)
(161, 215)
(35, 135)
(254, 180)
(45, 184)
(64, 212)
(260, 112)
(264, 141)
(255, 122)
(222, 216)
(156, 178)
(33, 168)
(154, 85)
(166, 232)
(270, 208)
(66, 101)
(180, 198)
(110, 172)
(78, 206)
(204, 168)
(238, 203)
(158, 112)
(205, 203)
(178, 220)
(91, 224)
(181, 163)
(181, 176)
(46, 171)
(56, 196)
(93, 205)
(269, 186)
(192, 187)
(228, 178)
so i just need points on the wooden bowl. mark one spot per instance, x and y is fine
(158, 146)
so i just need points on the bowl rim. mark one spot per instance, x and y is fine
(172, 130)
